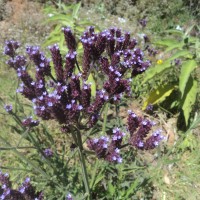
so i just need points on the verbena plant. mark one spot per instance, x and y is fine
(176, 75)
(66, 97)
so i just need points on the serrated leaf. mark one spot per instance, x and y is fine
(158, 95)
(153, 71)
(186, 71)
(189, 98)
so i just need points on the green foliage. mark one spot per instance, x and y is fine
(64, 15)
(166, 14)
(182, 48)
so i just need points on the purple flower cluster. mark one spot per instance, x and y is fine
(108, 148)
(48, 153)
(139, 129)
(25, 192)
(69, 197)
(67, 97)
(8, 108)
(120, 49)
(29, 122)
(143, 22)
(10, 48)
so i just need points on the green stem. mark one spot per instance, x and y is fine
(83, 164)
(10, 148)
(105, 118)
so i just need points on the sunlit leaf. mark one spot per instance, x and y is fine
(93, 84)
(177, 45)
(189, 98)
(155, 70)
(186, 70)
(159, 95)
(166, 42)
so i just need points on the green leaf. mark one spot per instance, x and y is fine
(111, 189)
(186, 71)
(98, 179)
(60, 19)
(175, 32)
(131, 189)
(158, 95)
(196, 122)
(93, 84)
(177, 45)
(157, 69)
(180, 54)
(188, 30)
(166, 42)
(189, 98)
(75, 10)
(50, 41)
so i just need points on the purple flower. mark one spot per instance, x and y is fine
(29, 122)
(48, 153)
(69, 197)
(70, 39)
(8, 108)
(143, 22)
(10, 47)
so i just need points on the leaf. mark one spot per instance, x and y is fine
(186, 71)
(93, 84)
(180, 54)
(188, 30)
(131, 189)
(158, 95)
(166, 42)
(98, 179)
(188, 142)
(175, 32)
(75, 10)
(153, 71)
(189, 98)
(60, 17)
(196, 122)
(111, 189)
(50, 41)
(177, 45)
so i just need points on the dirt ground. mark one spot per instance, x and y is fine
(22, 20)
